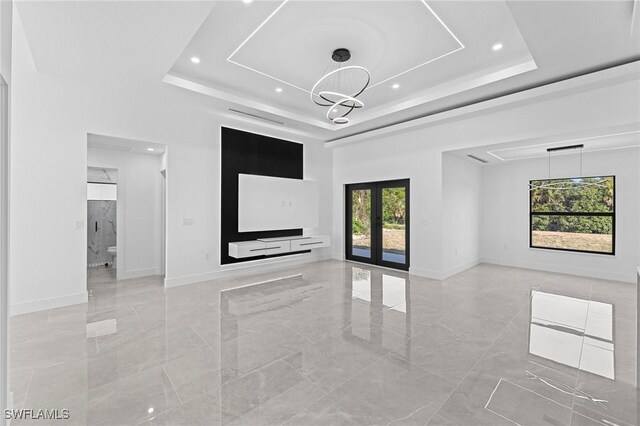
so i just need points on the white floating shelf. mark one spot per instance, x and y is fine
(278, 245)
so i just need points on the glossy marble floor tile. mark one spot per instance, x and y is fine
(335, 343)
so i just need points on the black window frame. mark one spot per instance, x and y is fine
(611, 214)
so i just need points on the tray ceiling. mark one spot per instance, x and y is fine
(268, 55)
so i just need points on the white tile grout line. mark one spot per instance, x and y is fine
(200, 336)
(172, 385)
(535, 393)
(486, 406)
(305, 379)
(26, 392)
(575, 387)
(478, 361)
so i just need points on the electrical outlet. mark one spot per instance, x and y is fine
(187, 221)
(79, 225)
(207, 256)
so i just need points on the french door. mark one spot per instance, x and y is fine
(377, 223)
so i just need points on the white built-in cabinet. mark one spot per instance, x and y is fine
(279, 245)
(102, 191)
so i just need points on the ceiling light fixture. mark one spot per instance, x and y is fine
(396, 86)
(332, 88)
(246, 1)
(150, 149)
(497, 47)
(279, 89)
(195, 59)
(561, 184)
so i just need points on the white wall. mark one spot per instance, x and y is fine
(567, 108)
(6, 23)
(505, 214)
(390, 159)
(139, 210)
(461, 214)
(53, 116)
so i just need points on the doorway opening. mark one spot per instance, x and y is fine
(126, 208)
(377, 223)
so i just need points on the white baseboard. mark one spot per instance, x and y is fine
(53, 302)
(457, 269)
(565, 269)
(137, 273)
(427, 273)
(247, 268)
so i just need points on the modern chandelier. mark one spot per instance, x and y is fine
(567, 184)
(339, 88)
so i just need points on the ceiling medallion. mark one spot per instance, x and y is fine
(336, 86)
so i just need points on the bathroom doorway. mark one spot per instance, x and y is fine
(126, 208)
(102, 229)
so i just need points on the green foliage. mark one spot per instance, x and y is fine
(358, 227)
(579, 224)
(394, 209)
(572, 196)
(361, 221)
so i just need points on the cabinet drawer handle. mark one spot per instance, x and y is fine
(310, 244)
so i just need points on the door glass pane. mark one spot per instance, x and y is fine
(394, 213)
(361, 223)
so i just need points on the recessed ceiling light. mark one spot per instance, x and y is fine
(246, 1)
(150, 410)
(497, 47)
(279, 89)
(195, 59)
(150, 149)
(396, 86)
(335, 110)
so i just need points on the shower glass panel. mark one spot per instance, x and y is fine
(101, 231)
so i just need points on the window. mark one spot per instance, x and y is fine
(574, 214)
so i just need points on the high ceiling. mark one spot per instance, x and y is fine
(439, 53)
(615, 137)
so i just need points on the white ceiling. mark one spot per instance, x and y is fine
(430, 50)
(125, 145)
(130, 45)
(612, 138)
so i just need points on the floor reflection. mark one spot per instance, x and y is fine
(573, 332)
(334, 343)
(382, 292)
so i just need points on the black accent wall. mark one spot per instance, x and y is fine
(248, 153)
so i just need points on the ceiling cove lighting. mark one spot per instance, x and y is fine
(497, 46)
(333, 88)
(195, 59)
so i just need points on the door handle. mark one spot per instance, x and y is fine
(96, 226)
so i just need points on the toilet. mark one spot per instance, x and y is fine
(113, 252)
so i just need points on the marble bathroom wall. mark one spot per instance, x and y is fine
(101, 231)
(101, 175)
